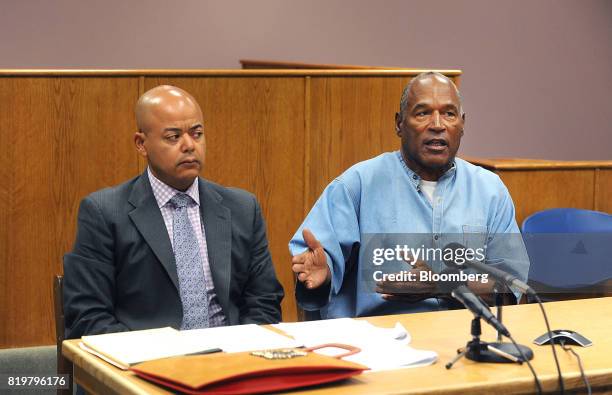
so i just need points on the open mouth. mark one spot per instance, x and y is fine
(436, 144)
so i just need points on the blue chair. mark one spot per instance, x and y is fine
(568, 220)
(570, 251)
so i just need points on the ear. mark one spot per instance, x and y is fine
(398, 123)
(139, 139)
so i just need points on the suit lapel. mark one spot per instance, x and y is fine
(148, 219)
(217, 226)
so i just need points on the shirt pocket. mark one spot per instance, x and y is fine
(475, 237)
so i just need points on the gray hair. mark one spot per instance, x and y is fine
(408, 89)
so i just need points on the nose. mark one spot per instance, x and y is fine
(436, 122)
(187, 143)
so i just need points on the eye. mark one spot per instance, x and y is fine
(197, 134)
(172, 137)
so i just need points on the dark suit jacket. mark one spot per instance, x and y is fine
(121, 274)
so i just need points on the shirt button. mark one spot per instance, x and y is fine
(414, 176)
(436, 237)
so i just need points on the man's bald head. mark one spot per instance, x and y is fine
(164, 99)
(424, 78)
(171, 135)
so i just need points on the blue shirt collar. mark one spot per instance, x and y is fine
(415, 179)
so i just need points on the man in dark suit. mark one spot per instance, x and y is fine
(168, 248)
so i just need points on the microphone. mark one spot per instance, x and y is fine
(498, 274)
(478, 308)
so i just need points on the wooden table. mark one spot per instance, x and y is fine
(443, 332)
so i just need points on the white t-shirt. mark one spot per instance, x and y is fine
(428, 188)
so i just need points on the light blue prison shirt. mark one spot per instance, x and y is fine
(378, 203)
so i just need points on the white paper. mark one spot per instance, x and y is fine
(239, 338)
(381, 348)
(127, 348)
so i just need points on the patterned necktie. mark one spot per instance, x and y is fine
(192, 282)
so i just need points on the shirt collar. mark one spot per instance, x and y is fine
(415, 179)
(164, 192)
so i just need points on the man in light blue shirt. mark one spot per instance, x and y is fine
(421, 193)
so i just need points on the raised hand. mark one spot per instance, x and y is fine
(311, 265)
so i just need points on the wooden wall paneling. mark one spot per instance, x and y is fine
(254, 129)
(142, 162)
(68, 133)
(538, 190)
(603, 197)
(577, 184)
(6, 203)
(352, 119)
(307, 141)
(61, 139)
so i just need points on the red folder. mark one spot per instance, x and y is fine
(244, 373)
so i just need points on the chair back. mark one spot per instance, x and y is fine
(568, 220)
(569, 250)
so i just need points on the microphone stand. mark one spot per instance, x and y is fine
(479, 351)
(496, 352)
(499, 303)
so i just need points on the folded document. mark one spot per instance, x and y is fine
(124, 349)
